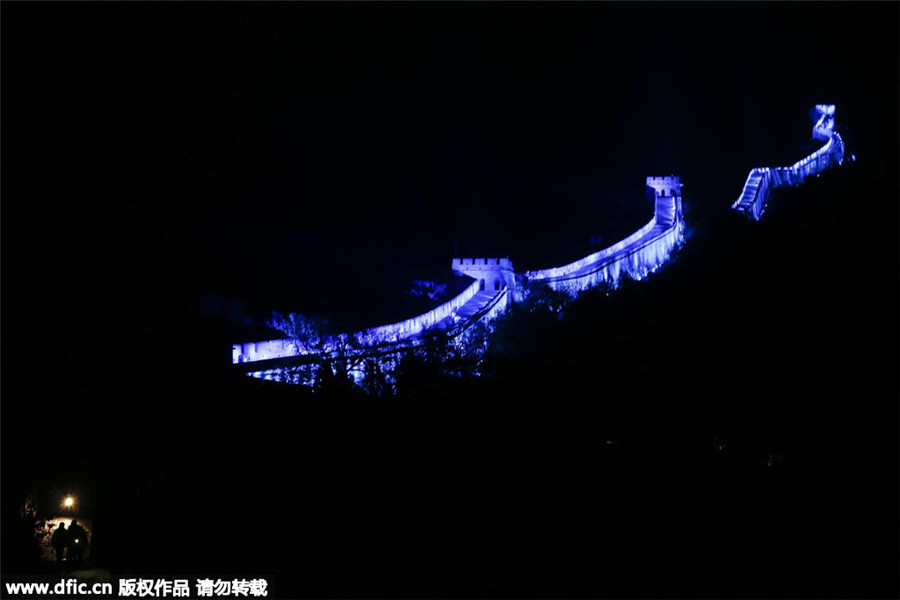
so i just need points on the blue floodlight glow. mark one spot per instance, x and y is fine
(763, 180)
(370, 357)
(495, 285)
(636, 256)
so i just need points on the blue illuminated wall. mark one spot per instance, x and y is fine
(636, 256)
(452, 315)
(490, 273)
(763, 180)
(495, 285)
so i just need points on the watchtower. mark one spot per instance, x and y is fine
(824, 127)
(667, 188)
(493, 274)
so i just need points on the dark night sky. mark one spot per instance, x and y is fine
(163, 161)
(293, 155)
(168, 167)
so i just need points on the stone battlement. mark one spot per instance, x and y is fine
(823, 130)
(666, 186)
(483, 262)
(492, 273)
(666, 180)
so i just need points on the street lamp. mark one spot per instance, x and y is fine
(69, 502)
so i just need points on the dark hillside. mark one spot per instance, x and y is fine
(173, 172)
(724, 428)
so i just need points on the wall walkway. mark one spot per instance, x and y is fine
(636, 256)
(495, 284)
(763, 180)
(493, 288)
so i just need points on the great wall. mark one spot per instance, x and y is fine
(495, 285)
(762, 181)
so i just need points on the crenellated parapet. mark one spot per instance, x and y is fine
(666, 186)
(491, 273)
(824, 128)
(668, 196)
(460, 263)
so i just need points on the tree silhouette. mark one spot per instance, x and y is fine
(336, 354)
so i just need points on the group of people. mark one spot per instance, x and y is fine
(71, 542)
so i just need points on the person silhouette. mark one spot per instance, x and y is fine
(60, 541)
(77, 541)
